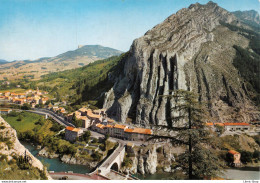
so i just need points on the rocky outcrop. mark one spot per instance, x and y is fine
(147, 159)
(16, 149)
(151, 161)
(78, 161)
(190, 50)
(45, 153)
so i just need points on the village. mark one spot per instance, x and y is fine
(98, 121)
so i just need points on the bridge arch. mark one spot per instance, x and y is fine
(115, 167)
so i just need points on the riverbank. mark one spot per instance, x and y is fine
(55, 164)
(245, 173)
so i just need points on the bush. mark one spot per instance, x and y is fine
(26, 107)
(246, 157)
(96, 156)
(95, 140)
(13, 114)
(256, 155)
(20, 117)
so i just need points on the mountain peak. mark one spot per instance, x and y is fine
(190, 50)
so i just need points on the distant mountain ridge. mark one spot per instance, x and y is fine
(3, 61)
(68, 60)
(250, 17)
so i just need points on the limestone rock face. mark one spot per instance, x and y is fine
(45, 153)
(18, 149)
(78, 161)
(151, 161)
(189, 50)
(140, 166)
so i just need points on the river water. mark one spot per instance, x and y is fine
(56, 165)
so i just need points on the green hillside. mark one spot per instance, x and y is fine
(81, 85)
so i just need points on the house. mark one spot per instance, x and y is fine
(55, 108)
(21, 95)
(119, 131)
(33, 105)
(7, 93)
(99, 128)
(62, 110)
(109, 129)
(140, 134)
(5, 111)
(70, 116)
(71, 133)
(95, 118)
(19, 101)
(36, 99)
(29, 99)
(236, 157)
(43, 100)
(236, 126)
(83, 111)
(128, 134)
(85, 121)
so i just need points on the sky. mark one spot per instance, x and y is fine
(31, 29)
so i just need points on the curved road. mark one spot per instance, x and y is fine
(54, 116)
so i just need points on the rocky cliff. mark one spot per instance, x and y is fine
(190, 50)
(11, 147)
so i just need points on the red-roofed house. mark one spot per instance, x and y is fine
(236, 126)
(118, 131)
(72, 133)
(141, 134)
(236, 157)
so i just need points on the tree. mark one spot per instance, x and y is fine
(246, 156)
(75, 121)
(200, 159)
(86, 136)
(220, 129)
(26, 107)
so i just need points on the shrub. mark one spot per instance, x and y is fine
(246, 156)
(96, 156)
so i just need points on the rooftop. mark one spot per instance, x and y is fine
(142, 130)
(233, 152)
(129, 130)
(236, 124)
(100, 126)
(72, 129)
(119, 126)
(211, 124)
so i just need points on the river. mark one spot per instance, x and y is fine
(56, 165)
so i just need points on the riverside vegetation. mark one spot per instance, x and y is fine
(45, 134)
(13, 164)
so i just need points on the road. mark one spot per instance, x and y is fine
(54, 116)
(65, 123)
(76, 176)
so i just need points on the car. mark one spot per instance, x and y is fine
(64, 178)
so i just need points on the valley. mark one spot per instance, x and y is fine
(181, 104)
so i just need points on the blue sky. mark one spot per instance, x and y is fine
(31, 29)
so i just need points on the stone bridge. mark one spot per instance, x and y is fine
(113, 162)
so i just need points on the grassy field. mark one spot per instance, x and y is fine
(27, 123)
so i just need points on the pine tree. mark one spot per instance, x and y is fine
(199, 160)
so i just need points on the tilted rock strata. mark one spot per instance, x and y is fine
(189, 50)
